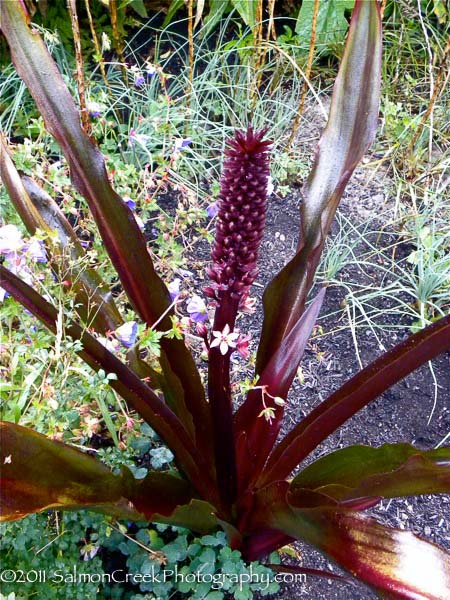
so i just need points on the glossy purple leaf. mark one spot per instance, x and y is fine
(389, 471)
(276, 379)
(359, 391)
(387, 559)
(350, 130)
(37, 473)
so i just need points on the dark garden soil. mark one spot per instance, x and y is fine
(400, 415)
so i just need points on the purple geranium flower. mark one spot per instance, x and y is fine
(127, 334)
(212, 210)
(10, 239)
(129, 202)
(17, 265)
(174, 288)
(94, 108)
(196, 308)
(150, 70)
(139, 81)
(140, 138)
(35, 250)
(181, 143)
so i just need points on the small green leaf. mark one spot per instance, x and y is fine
(247, 11)
(331, 24)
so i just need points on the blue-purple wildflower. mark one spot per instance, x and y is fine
(174, 288)
(212, 210)
(94, 109)
(139, 81)
(36, 250)
(127, 334)
(141, 138)
(197, 310)
(129, 202)
(180, 144)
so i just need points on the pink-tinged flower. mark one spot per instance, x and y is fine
(224, 339)
(91, 426)
(16, 264)
(242, 211)
(248, 304)
(181, 143)
(174, 288)
(197, 310)
(242, 346)
(127, 334)
(89, 551)
(10, 239)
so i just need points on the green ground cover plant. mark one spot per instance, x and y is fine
(269, 402)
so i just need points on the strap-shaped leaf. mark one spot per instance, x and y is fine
(387, 559)
(138, 395)
(255, 434)
(350, 130)
(389, 471)
(37, 473)
(121, 235)
(356, 393)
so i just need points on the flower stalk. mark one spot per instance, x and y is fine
(241, 217)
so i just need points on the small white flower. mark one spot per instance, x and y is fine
(270, 186)
(224, 339)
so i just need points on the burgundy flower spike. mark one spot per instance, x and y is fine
(242, 212)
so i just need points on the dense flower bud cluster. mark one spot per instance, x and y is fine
(241, 213)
